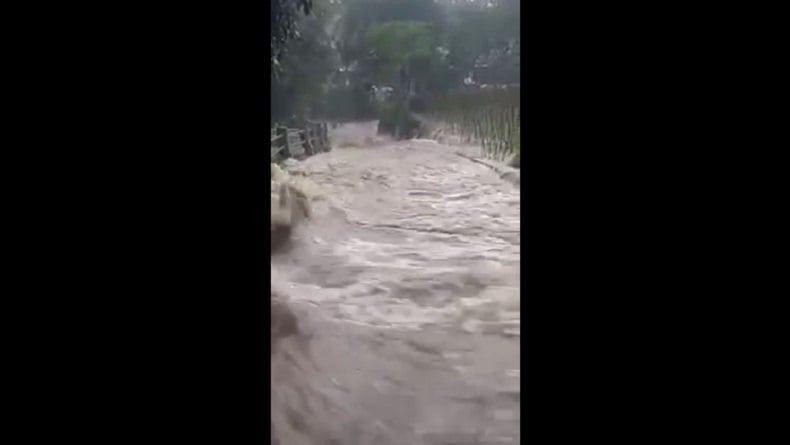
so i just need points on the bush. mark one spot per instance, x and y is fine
(348, 104)
(417, 105)
(397, 121)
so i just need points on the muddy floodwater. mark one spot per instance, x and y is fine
(398, 301)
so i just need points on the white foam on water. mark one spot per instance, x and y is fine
(409, 271)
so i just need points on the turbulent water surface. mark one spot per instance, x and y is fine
(397, 306)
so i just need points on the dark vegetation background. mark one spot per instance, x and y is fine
(338, 60)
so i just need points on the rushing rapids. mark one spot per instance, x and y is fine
(395, 307)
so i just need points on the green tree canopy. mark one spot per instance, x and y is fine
(401, 46)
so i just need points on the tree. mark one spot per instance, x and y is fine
(358, 16)
(483, 39)
(404, 52)
(306, 66)
(284, 16)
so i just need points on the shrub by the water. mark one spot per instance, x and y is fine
(396, 120)
(418, 105)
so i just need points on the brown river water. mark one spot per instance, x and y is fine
(397, 306)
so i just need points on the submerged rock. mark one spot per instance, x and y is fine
(283, 321)
(513, 177)
(514, 160)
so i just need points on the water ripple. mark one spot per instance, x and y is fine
(405, 284)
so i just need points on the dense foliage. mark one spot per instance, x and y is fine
(335, 62)
(284, 16)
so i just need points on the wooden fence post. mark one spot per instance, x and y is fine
(311, 140)
(327, 142)
(314, 141)
(305, 136)
(282, 133)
